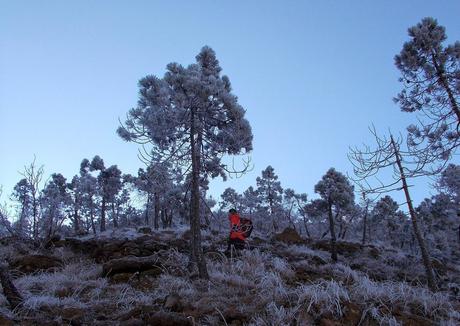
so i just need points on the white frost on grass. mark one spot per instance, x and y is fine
(327, 296)
(389, 292)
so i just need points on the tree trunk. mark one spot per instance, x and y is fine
(147, 208)
(197, 256)
(365, 223)
(421, 241)
(114, 216)
(156, 223)
(76, 225)
(332, 231)
(103, 214)
(441, 73)
(9, 290)
(306, 227)
(91, 215)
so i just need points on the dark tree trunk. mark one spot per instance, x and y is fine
(421, 241)
(91, 215)
(332, 231)
(196, 249)
(76, 225)
(147, 209)
(35, 217)
(103, 208)
(9, 290)
(156, 221)
(306, 226)
(365, 224)
(441, 73)
(114, 216)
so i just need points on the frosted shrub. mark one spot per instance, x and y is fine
(234, 280)
(429, 303)
(304, 251)
(125, 296)
(73, 276)
(339, 270)
(381, 318)
(275, 316)
(325, 295)
(168, 284)
(39, 301)
(271, 285)
(282, 267)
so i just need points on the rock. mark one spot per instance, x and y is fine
(131, 265)
(343, 248)
(234, 316)
(145, 230)
(318, 260)
(187, 235)
(34, 263)
(329, 322)
(374, 252)
(289, 236)
(73, 314)
(352, 314)
(173, 302)
(137, 313)
(6, 321)
(133, 322)
(162, 318)
(63, 293)
(121, 277)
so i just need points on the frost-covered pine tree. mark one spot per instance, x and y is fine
(192, 119)
(231, 199)
(109, 184)
(384, 222)
(54, 202)
(89, 189)
(270, 194)
(76, 195)
(449, 184)
(250, 200)
(294, 208)
(22, 193)
(337, 194)
(430, 73)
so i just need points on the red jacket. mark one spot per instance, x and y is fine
(235, 227)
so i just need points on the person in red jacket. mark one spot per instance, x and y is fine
(237, 238)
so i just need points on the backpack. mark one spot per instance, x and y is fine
(246, 227)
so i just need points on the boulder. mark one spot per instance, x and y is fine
(162, 318)
(173, 302)
(132, 265)
(145, 230)
(35, 263)
(290, 236)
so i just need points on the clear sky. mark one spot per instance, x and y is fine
(312, 76)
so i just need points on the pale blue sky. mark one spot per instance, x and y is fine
(312, 76)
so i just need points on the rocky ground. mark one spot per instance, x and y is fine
(140, 277)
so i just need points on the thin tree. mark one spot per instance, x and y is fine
(191, 119)
(368, 162)
(337, 194)
(33, 174)
(366, 203)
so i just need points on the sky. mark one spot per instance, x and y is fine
(312, 76)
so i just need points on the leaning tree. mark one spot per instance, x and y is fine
(369, 163)
(191, 119)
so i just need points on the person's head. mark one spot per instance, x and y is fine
(232, 211)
